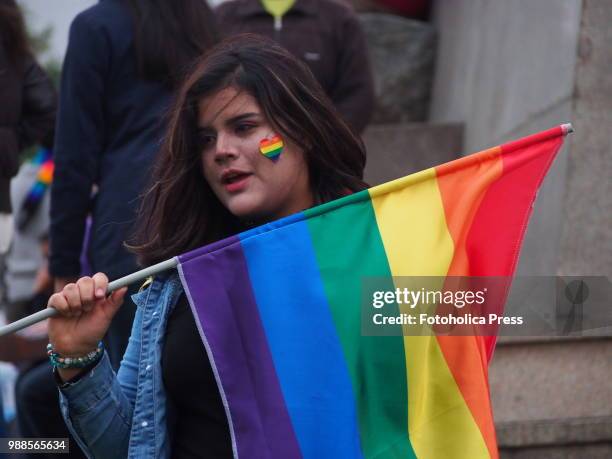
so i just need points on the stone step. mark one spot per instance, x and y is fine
(566, 438)
(570, 431)
(553, 398)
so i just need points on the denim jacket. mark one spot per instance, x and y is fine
(124, 415)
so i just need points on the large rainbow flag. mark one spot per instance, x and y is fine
(278, 310)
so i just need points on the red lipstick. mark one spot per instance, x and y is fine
(235, 180)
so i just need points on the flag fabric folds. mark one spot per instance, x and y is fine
(278, 310)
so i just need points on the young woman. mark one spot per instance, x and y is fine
(211, 180)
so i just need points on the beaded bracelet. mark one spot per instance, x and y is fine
(58, 361)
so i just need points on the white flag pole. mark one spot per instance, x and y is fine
(112, 286)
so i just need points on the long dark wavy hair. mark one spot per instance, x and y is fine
(179, 211)
(13, 36)
(169, 35)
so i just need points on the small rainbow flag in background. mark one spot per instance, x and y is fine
(271, 148)
(278, 308)
(44, 177)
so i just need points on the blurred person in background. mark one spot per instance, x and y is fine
(124, 57)
(123, 60)
(325, 34)
(27, 114)
(28, 284)
(26, 276)
(27, 106)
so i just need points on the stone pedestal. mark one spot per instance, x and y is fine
(402, 55)
(507, 70)
(586, 237)
(396, 150)
(552, 398)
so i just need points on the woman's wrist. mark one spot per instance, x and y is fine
(65, 377)
(72, 349)
(74, 362)
(67, 374)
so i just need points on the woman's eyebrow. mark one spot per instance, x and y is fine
(241, 117)
(230, 121)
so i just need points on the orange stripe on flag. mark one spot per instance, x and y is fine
(463, 184)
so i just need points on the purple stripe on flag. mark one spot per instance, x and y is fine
(219, 291)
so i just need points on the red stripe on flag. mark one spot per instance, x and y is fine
(498, 228)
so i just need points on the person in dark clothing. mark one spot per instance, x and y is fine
(123, 59)
(27, 105)
(325, 34)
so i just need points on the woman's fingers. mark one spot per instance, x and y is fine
(59, 302)
(86, 291)
(100, 285)
(82, 296)
(73, 298)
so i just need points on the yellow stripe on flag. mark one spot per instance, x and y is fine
(411, 220)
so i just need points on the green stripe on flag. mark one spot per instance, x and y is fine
(348, 247)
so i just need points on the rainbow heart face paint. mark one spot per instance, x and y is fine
(271, 148)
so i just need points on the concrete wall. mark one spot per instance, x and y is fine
(559, 379)
(395, 150)
(506, 69)
(503, 66)
(553, 399)
(586, 243)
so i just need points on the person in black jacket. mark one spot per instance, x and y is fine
(27, 105)
(123, 59)
(325, 34)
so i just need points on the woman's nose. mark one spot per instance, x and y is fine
(226, 148)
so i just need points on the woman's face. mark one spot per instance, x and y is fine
(250, 185)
